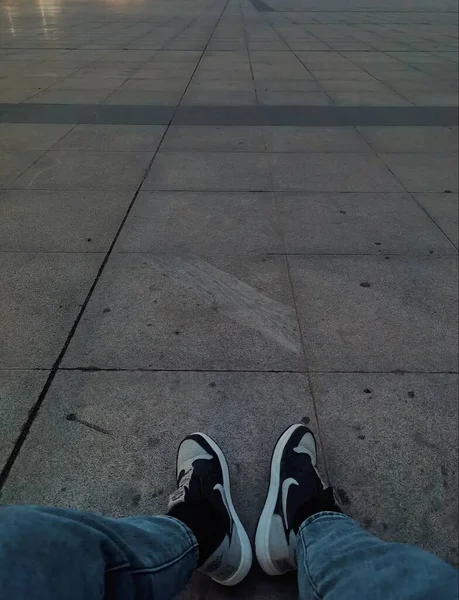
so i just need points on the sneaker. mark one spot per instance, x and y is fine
(203, 501)
(295, 492)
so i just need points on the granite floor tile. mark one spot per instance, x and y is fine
(375, 419)
(81, 221)
(190, 312)
(227, 222)
(44, 294)
(366, 313)
(19, 390)
(338, 172)
(69, 170)
(444, 210)
(112, 138)
(358, 224)
(224, 171)
(424, 172)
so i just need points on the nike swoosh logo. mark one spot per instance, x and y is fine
(285, 487)
(221, 489)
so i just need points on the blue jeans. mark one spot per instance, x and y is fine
(59, 554)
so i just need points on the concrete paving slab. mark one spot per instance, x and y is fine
(19, 94)
(13, 164)
(44, 294)
(287, 85)
(389, 445)
(314, 139)
(444, 210)
(424, 172)
(14, 137)
(88, 83)
(293, 98)
(68, 170)
(18, 392)
(366, 313)
(220, 222)
(130, 469)
(73, 96)
(411, 139)
(358, 224)
(189, 312)
(82, 221)
(218, 97)
(339, 172)
(111, 138)
(143, 98)
(365, 98)
(223, 171)
(214, 139)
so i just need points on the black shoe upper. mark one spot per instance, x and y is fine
(301, 490)
(198, 501)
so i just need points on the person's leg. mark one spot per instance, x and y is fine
(337, 559)
(301, 523)
(59, 554)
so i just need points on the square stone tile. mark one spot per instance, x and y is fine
(17, 94)
(440, 98)
(365, 98)
(403, 317)
(18, 392)
(111, 138)
(388, 441)
(209, 138)
(14, 163)
(347, 85)
(225, 222)
(190, 312)
(130, 469)
(287, 85)
(88, 83)
(67, 170)
(218, 97)
(314, 139)
(58, 221)
(17, 137)
(339, 172)
(411, 139)
(143, 98)
(73, 96)
(223, 171)
(444, 210)
(358, 224)
(424, 172)
(40, 298)
(155, 85)
(293, 98)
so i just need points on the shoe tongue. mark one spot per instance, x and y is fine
(183, 486)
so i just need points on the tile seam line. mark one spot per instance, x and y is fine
(33, 412)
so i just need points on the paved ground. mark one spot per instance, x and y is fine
(227, 216)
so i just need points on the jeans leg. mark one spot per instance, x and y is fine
(59, 554)
(338, 560)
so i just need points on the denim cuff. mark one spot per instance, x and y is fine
(191, 537)
(324, 516)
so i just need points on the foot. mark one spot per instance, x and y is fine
(203, 501)
(295, 492)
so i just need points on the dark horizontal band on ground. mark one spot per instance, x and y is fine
(330, 116)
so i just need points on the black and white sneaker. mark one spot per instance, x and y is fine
(295, 492)
(203, 501)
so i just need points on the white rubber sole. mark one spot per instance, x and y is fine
(246, 548)
(264, 523)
